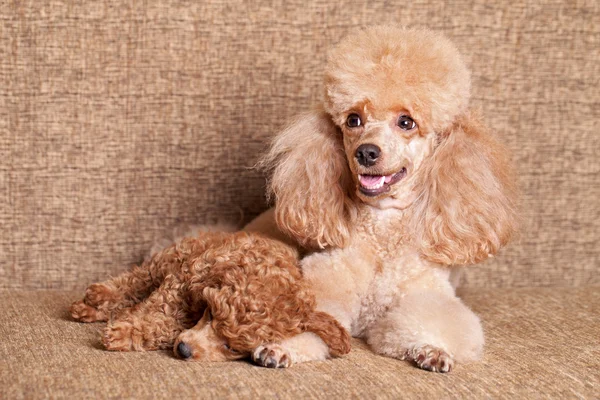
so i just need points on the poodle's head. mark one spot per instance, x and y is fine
(395, 131)
(391, 91)
(251, 291)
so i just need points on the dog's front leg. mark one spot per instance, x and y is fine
(338, 279)
(431, 327)
(304, 347)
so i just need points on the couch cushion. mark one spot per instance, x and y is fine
(540, 342)
(120, 118)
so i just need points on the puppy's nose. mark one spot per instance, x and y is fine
(184, 350)
(367, 154)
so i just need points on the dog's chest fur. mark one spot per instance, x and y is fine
(384, 239)
(384, 230)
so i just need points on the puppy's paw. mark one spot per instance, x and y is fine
(84, 313)
(431, 358)
(272, 355)
(99, 294)
(118, 336)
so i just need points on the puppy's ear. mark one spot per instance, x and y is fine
(466, 211)
(331, 332)
(310, 181)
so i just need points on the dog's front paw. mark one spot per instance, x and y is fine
(272, 355)
(431, 358)
(99, 294)
(84, 313)
(118, 336)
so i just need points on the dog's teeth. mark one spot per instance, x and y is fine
(367, 182)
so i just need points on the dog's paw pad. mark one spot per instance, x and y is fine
(432, 359)
(85, 313)
(272, 355)
(98, 294)
(118, 337)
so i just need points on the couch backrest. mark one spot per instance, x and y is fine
(119, 119)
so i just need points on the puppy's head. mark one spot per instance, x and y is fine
(389, 90)
(202, 343)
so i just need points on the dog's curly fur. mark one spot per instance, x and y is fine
(437, 193)
(247, 288)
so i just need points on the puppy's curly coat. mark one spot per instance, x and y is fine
(247, 288)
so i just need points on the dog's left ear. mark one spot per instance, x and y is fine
(466, 210)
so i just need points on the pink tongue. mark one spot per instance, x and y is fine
(370, 180)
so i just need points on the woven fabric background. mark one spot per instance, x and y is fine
(119, 119)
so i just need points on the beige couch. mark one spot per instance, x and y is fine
(119, 119)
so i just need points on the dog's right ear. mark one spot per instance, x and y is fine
(310, 181)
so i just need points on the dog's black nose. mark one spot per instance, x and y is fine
(184, 350)
(367, 154)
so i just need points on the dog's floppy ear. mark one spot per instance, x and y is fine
(466, 211)
(310, 181)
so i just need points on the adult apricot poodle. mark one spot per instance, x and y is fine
(394, 182)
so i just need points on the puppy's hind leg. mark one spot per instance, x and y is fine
(154, 323)
(131, 287)
(102, 299)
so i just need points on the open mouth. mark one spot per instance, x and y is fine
(374, 185)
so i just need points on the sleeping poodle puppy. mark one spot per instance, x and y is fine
(216, 297)
(394, 182)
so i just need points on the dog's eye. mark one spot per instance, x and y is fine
(353, 121)
(406, 123)
(226, 346)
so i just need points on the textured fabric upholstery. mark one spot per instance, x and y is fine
(530, 354)
(119, 119)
